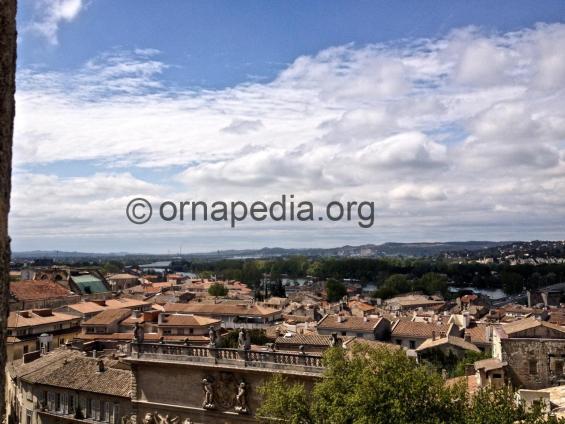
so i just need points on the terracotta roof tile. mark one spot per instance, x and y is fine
(29, 290)
(330, 322)
(421, 330)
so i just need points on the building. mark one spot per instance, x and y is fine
(534, 351)
(411, 334)
(371, 328)
(87, 310)
(122, 281)
(39, 294)
(232, 315)
(65, 386)
(38, 329)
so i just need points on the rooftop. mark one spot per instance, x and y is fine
(35, 317)
(72, 370)
(330, 322)
(421, 330)
(30, 290)
(221, 309)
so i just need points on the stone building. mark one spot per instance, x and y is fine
(370, 328)
(65, 386)
(207, 385)
(534, 351)
(38, 329)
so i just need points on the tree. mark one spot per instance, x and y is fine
(335, 290)
(382, 385)
(217, 290)
(8, 39)
(284, 401)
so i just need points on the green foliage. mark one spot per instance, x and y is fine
(258, 337)
(430, 283)
(112, 267)
(218, 290)
(369, 385)
(335, 290)
(288, 402)
(454, 366)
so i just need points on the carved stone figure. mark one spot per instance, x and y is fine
(334, 341)
(128, 419)
(212, 335)
(208, 402)
(149, 418)
(164, 419)
(241, 399)
(241, 339)
(138, 333)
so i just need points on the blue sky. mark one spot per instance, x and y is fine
(447, 114)
(215, 44)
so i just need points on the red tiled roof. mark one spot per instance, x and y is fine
(422, 330)
(29, 290)
(330, 322)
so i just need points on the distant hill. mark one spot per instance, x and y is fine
(367, 250)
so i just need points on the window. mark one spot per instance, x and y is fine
(107, 410)
(412, 344)
(559, 367)
(360, 335)
(26, 349)
(191, 331)
(533, 366)
(115, 419)
(88, 408)
(58, 402)
(398, 342)
(65, 403)
(167, 331)
(344, 333)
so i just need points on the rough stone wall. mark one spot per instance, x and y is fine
(177, 390)
(533, 363)
(7, 111)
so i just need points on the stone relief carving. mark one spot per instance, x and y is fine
(129, 419)
(208, 402)
(165, 419)
(149, 418)
(241, 399)
(225, 388)
(156, 418)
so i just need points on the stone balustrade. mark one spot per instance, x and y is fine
(226, 356)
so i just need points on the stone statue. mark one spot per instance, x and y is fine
(241, 399)
(138, 333)
(166, 420)
(128, 419)
(149, 418)
(208, 402)
(212, 335)
(241, 340)
(334, 341)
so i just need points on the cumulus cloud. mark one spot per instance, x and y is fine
(455, 137)
(49, 14)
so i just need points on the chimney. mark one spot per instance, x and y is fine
(466, 319)
(100, 365)
(365, 319)
(467, 337)
(433, 335)
(339, 318)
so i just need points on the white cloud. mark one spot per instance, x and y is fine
(457, 137)
(49, 14)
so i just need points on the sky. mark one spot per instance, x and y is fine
(448, 115)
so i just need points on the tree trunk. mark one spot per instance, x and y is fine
(7, 112)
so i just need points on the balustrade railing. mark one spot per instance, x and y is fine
(251, 357)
